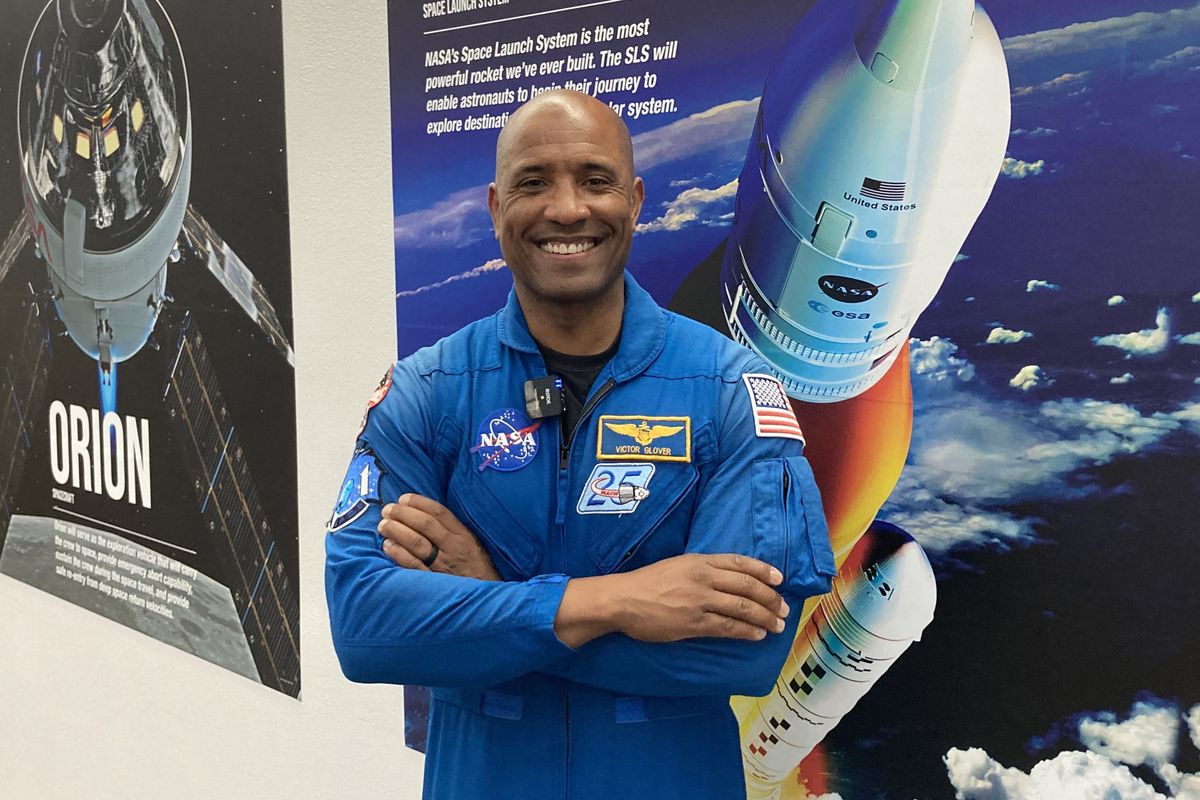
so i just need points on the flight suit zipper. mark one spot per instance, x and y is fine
(564, 461)
(565, 445)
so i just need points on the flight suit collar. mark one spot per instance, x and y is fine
(643, 330)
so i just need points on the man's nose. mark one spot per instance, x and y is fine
(566, 203)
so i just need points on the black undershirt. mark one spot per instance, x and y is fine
(578, 373)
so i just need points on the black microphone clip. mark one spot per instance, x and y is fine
(544, 397)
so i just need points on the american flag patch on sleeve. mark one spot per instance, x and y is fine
(773, 415)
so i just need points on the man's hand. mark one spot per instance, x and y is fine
(420, 533)
(727, 596)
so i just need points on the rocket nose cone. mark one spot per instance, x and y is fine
(915, 44)
(88, 24)
(888, 584)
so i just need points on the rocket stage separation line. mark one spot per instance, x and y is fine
(525, 16)
(62, 510)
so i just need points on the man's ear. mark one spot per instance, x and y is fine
(493, 201)
(639, 194)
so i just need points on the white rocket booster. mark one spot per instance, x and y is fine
(881, 601)
(879, 138)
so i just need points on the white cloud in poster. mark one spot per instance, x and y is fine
(933, 361)
(1069, 80)
(1196, 297)
(1123, 378)
(1189, 415)
(1002, 335)
(1035, 133)
(1184, 58)
(493, 265)
(1193, 723)
(1190, 338)
(1101, 429)
(1116, 300)
(1113, 32)
(1038, 285)
(1162, 109)
(721, 125)
(1027, 378)
(974, 455)
(941, 524)
(1146, 342)
(1148, 736)
(689, 207)
(1019, 170)
(459, 220)
(1072, 775)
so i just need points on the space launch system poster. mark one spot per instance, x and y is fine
(147, 409)
(961, 237)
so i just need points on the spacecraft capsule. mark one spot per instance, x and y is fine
(105, 145)
(881, 601)
(879, 137)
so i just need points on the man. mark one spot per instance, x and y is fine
(584, 590)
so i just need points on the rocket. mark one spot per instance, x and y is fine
(881, 601)
(879, 137)
(105, 145)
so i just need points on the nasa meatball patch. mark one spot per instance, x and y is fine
(360, 488)
(773, 415)
(506, 440)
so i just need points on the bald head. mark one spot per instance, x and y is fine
(569, 105)
(564, 205)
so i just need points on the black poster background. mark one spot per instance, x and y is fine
(233, 55)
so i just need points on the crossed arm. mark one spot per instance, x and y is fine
(689, 596)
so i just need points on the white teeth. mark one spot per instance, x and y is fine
(565, 249)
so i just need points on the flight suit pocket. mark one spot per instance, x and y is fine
(630, 540)
(790, 531)
(515, 550)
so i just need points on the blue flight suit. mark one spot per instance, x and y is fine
(517, 714)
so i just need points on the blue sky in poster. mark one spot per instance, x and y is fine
(1055, 375)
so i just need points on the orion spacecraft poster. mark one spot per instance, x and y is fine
(147, 421)
(962, 237)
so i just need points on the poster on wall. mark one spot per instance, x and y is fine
(961, 236)
(147, 388)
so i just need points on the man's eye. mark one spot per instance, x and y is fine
(531, 183)
(598, 180)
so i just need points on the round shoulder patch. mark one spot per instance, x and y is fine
(506, 440)
(376, 398)
(359, 489)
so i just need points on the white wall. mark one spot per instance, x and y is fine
(90, 709)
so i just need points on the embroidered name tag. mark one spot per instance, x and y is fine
(621, 437)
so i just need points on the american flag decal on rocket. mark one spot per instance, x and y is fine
(773, 415)
(882, 190)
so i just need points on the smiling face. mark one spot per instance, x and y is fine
(565, 201)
